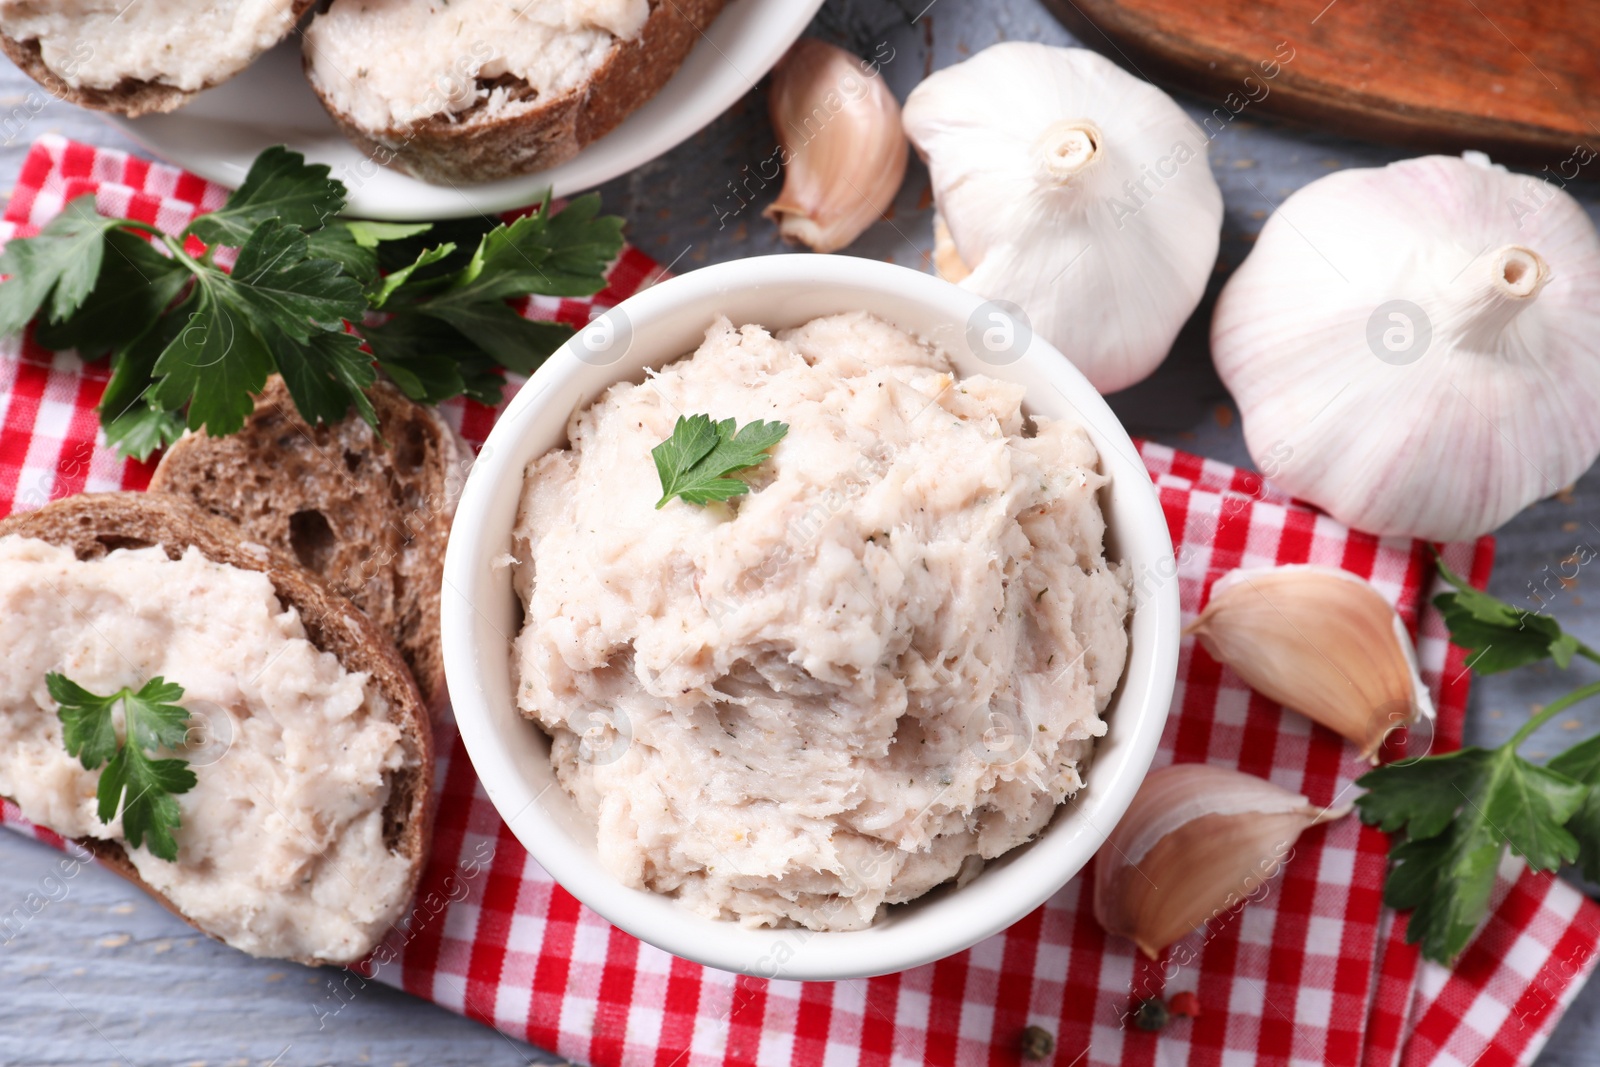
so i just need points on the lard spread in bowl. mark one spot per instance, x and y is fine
(880, 668)
(810, 630)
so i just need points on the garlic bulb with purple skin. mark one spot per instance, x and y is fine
(1418, 346)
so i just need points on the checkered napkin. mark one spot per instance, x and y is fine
(1317, 971)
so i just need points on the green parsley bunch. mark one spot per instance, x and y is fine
(191, 343)
(1454, 815)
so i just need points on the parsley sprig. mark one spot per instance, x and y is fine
(191, 343)
(696, 463)
(1454, 815)
(140, 787)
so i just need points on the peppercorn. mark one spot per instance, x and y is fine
(1150, 1015)
(1037, 1044)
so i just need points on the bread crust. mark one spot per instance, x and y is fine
(93, 524)
(476, 149)
(386, 499)
(131, 96)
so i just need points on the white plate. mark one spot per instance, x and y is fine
(219, 134)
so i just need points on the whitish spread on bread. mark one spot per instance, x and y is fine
(281, 851)
(388, 63)
(98, 44)
(881, 667)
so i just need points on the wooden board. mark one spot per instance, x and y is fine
(1519, 79)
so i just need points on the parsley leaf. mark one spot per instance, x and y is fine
(354, 244)
(134, 423)
(395, 279)
(144, 788)
(86, 727)
(1581, 763)
(562, 254)
(225, 352)
(431, 360)
(136, 284)
(140, 787)
(336, 242)
(1499, 635)
(1455, 815)
(466, 234)
(280, 185)
(326, 375)
(369, 234)
(1460, 811)
(215, 363)
(696, 461)
(59, 265)
(555, 254)
(284, 286)
(190, 343)
(512, 341)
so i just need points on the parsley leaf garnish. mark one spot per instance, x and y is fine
(696, 461)
(1460, 811)
(140, 787)
(561, 254)
(1499, 635)
(1581, 763)
(190, 343)
(136, 284)
(1454, 815)
(281, 185)
(60, 265)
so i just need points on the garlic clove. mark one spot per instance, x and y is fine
(1196, 841)
(1320, 641)
(1416, 348)
(845, 154)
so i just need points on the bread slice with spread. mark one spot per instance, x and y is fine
(477, 90)
(140, 56)
(308, 823)
(367, 510)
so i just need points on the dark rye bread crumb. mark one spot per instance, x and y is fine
(480, 146)
(370, 517)
(94, 524)
(131, 96)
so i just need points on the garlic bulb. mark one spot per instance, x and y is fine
(1418, 346)
(1076, 192)
(1196, 841)
(1320, 641)
(839, 134)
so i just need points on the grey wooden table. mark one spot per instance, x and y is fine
(103, 975)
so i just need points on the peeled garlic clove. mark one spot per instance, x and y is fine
(1196, 841)
(845, 154)
(1319, 641)
(1416, 348)
(1075, 191)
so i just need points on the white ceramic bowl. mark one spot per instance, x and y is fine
(481, 614)
(221, 132)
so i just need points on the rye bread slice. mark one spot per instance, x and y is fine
(369, 516)
(131, 96)
(94, 524)
(480, 146)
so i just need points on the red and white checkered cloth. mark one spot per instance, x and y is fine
(1314, 973)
